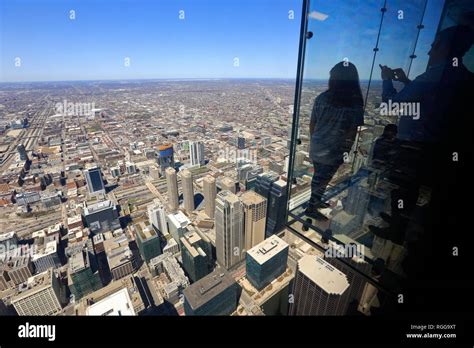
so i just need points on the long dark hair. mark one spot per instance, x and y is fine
(344, 86)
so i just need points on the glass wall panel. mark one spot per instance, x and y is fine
(342, 168)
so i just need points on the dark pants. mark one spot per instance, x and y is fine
(323, 174)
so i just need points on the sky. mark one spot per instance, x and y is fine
(216, 38)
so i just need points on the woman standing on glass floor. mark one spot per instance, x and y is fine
(336, 115)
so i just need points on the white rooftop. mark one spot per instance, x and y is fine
(265, 250)
(323, 274)
(118, 303)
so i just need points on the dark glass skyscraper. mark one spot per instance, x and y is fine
(94, 181)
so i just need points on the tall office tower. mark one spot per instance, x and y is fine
(227, 184)
(357, 200)
(8, 241)
(345, 260)
(266, 261)
(210, 192)
(83, 274)
(229, 229)
(215, 294)
(188, 190)
(101, 217)
(178, 223)
(166, 159)
(172, 184)
(273, 189)
(196, 153)
(40, 295)
(194, 259)
(131, 167)
(157, 217)
(94, 181)
(319, 288)
(255, 217)
(148, 242)
(22, 152)
(240, 143)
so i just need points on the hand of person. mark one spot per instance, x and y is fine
(399, 75)
(386, 72)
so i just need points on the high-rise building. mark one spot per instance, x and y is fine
(172, 185)
(188, 190)
(227, 184)
(101, 217)
(39, 296)
(240, 143)
(194, 259)
(196, 153)
(215, 294)
(120, 257)
(157, 217)
(131, 167)
(148, 242)
(83, 273)
(8, 241)
(319, 288)
(210, 192)
(276, 208)
(166, 159)
(229, 229)
(266, 261)
(20, 269)
(255, 214)
(22, 152)
(177, 225)
(94, 181)
(348, 259)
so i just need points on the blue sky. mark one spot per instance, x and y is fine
(203, 45)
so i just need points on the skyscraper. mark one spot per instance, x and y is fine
(166, 159)
(229, 229)
(157, 217)
(227, 184)
(188, 190)
(194, 259)
(196, 153)
(346, 259)
(148, 243)
(266, 261)
(101, 217)
(319, 288)
(94, 181)
(255, 214)
(215, 294)
(40, 295)
(273, 189)
(210, 192)
(22, 152)
(172, 184)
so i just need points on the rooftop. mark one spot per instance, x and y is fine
(265, 250)
(323, 274)
(208, 287)
(118, 303)
(94, 208)
(251, 197)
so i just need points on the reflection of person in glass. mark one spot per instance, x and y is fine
(336, 115)
(443, 95)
